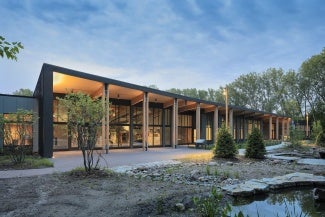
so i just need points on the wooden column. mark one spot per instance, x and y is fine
(198, 121)
(277, 128)
(175, 123)
(145, 121)
(270, 128)
(107, 115)
(231, 121)
(215, 124)
(282, 130)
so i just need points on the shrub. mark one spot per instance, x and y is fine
(255, 147)
(296, 136)
(84, 120)
(320, 140)
(225, 146)
(212, 205)
(316, 130)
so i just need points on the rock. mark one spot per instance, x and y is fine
(188, 202)
(156, 175)
(194, 174)
(229, 163)
(255, 186)
(319, 195)
(212, 163)
(180, 207)
(202, 179)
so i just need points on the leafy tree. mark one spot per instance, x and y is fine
(175, 90)
(23, 92)
(244, 91)
(256, 146)
(203, 94)
(312, 85)
(225, 146)
(16, 131)
(10, 50)
(153, 86)
(84, 119)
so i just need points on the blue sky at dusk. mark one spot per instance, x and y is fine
(170, 43)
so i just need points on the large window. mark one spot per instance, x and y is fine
(185, 129)
(119, 114)
(119, 130)
(18, 133)
(155, 126)
(155, 123)
(62, 137)
(209, 127)
(167, 132)
(119, 136)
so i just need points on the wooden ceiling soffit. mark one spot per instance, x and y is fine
(210, 109)
(137, 99)
(98, 92)
(241, 113)
(187, 108)
(257, 115)
(250, 114)
(169, 103)
(182, 103)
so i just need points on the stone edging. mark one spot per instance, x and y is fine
(265, 185)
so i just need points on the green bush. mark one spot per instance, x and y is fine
(225, 146)
(296, 136)
(255, 147)
(316, 130)
(212, 205)
(320, 140)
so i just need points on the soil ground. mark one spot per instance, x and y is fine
(145, 192)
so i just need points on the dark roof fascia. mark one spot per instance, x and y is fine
(257, 111)
(53, 68)
(20, 96)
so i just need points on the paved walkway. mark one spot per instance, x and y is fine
(115, 159)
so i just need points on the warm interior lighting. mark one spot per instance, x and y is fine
(57, 78)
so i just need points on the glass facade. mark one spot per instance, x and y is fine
(126, 126)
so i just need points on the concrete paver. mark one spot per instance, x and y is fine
(68, 160)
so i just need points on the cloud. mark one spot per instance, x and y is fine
(182, 43)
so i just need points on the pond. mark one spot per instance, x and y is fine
(287, 203)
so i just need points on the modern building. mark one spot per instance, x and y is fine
(137, 117)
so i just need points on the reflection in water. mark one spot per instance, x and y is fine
(283, 203)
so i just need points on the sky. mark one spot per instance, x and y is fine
(168, 43)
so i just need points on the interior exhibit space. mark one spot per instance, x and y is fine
(136, 116)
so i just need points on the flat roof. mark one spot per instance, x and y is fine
(77, 80)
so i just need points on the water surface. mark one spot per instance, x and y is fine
(293, 202)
